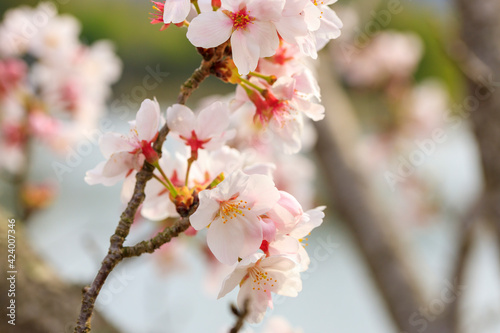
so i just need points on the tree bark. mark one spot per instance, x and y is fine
(481, 34)
(358, 207)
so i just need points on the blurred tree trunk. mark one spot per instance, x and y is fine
(481, 34)
(44, 304)
(357, 203)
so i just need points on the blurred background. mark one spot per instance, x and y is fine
(407, 161)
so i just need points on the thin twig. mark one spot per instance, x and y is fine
(241, 315)
(154, 243)
(114, 255)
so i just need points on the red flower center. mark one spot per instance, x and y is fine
(240, 19)
(195, 144)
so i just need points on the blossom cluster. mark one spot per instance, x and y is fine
(251, 224)
(271, 45)
(230, 165)
(52, 87)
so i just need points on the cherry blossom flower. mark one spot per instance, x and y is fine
(12, 72)
(47, 129)
(13, 43)
(390, 57)
(281, 108)
(172, 11)
(12, 141)
(323, 24)
(249, 24)
(286, 213)
(205, 131)
(293, 22)
(209, 165)
(330, 23)
(57, 39)
(285, 62)
(53, 37)
(231, 211)
(292, 244)
(292, 226)
(157, 15)
(127, 153)
(79, 85)
(258, 277)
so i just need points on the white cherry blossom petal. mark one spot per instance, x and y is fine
(210, 29)
(258, 302)
(262, 191)
(95, 176)
(111, 143)
(212, 119)
(176, 11)
(266, 10)
(239, 272)
(148, 120)
(181, 119)
(313, 219)
(118, 164)
(226, 240)
(330, 24)
(207, 211)
(246, 51)
(314, 111)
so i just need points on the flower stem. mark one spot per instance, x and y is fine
(190, 162)
(161, 181)
(195, 3)
(269, 78)
(170, 186)
(250, 84)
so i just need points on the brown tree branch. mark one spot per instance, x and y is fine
(358, 206)
(465, 243)
(481, 33)
(154, 243)
(240, 315)
(116, 251)
(480, 58)
(114, 255)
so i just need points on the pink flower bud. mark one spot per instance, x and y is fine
(216, 4)
(268, 229)
(286, 213)
(148, 151)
